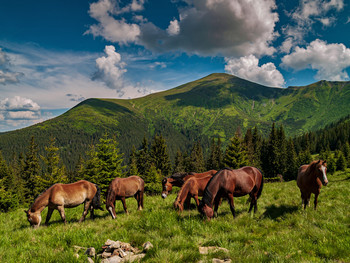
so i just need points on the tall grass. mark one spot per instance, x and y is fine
(280, 231)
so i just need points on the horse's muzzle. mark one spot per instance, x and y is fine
(325, 183)
(164, 195)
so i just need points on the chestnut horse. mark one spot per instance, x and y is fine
(60, 196)
(178, 179)
(232, 183)
(121, 188)
(193, 187)
(310, 179)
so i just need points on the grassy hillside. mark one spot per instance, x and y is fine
(280, 231)
(212, 106)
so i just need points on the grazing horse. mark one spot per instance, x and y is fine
(193, 187)
(231, 183)
(60, 196)
(310, 179)
(178, 179)
(121, 188)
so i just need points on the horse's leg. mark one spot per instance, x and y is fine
(48, 216)
(138, 199)
(232, 205)
(195, 197)
(60, 209)
(86, 210)
(124, 204)
(141, 198)
(92, 212)
(187, 204)
(217, 203)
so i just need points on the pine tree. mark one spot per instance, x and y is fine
(257, 146)
(346, 151)
(30, 171)
(55, 171)
(104, 163)
(8, 198)
(341, 162)
(133, 162)
(143, 158)
(214, 161)
(159, 155)
(291, 164)
(196, 157)
(179, 162)
(235, 155)
(270, 157)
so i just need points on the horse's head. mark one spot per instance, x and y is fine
(167, 187)
(33, 218)
(321, 167)
(205, 210)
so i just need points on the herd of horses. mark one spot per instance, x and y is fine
(212, 185)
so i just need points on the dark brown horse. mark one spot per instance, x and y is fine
(178, 179)
(121, 188)
(192, 188)
(310, 179)
(60, 196)
(231, 183)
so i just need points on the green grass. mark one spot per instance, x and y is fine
(280, 232)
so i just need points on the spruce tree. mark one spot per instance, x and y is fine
(159, 155)
(257, 146)
(235, 155)
(55, 171)
(30, 171)
(214, 161)
(143, 158)
(346, 151)
(341, 162)
(133, 162)
(270, 156)
(179, 162)
(291, 163)
(196, 157)
(104, 163)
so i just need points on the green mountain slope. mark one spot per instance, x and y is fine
(212, 106)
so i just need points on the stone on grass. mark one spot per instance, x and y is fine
(91, 252)
(147, 246)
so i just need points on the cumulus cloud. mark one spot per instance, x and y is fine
(112, 29)
(307, 13)
(18, 103)
(7, 76)
(329, 60)
(248, 68)
(205, 27)
(111, 69)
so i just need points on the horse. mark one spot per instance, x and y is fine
(178, 179)
(310, 179)
(60, 196)
(193, 187)
(230, 183)
(121, 188)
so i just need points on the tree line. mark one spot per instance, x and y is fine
(29, 174)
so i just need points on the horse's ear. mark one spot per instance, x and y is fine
(318, 161)
(325, 161)
(25, 211)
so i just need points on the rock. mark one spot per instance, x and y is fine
(115, 259)
(147, 246)
(125, 246)
(122, 253)
(77, 248)
(133, 258)
(91, 252)
(90, 260)
(106, 254)
(115, 244)
(217, 260)
(76, 255)
(109, 242)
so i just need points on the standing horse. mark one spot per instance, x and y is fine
(60, 196)
(310, 179)
(231, 183)
(121, 188)
(178, 179)
(193, 187)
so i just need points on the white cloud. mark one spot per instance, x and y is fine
(248, 68)
(307, 13)
(18, 103)
(330, 60)
(110, 28)
(173, 28)
(111, 69)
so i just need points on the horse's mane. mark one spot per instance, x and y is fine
(207, 195)
(39, 197)
(179, 175)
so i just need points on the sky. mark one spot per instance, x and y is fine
(55, 54)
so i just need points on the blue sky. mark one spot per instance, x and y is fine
(54, 54)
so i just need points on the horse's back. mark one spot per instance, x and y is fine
(301, 175)
(127, 186)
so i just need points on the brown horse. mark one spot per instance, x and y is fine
(232, 183)
(193, 187)
(121, 188)
(178, 179)
(60, 196)
(310, 179)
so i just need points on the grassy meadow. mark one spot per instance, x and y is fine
(280, 231)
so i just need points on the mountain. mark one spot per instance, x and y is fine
(212, 106)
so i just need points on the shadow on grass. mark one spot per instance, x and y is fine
(275, 212)
(341, 180)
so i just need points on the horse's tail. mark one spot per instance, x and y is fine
(261, 185)
(96, 201)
